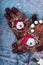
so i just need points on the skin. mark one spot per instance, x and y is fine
(18, 47)
(13, 13)
(39, 32)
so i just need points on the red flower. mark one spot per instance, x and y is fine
(19, 24)
(29, 40)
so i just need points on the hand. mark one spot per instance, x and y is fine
(25, 44)
(19, 48)
(37, 28)
(18, 22)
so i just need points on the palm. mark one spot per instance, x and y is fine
(17, 21)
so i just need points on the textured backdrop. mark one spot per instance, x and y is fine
(6, 35)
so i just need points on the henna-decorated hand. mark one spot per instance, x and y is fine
(21, 25)
(18, 47)
(37, 28)
(18, 22)
(26, 44)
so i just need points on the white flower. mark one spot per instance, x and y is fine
(40, 21)
(32, 30)
(36, 22)
(32, 25)
(20, 25)
(31, 42)
(40, 62)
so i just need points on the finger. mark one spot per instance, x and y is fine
(18, 13)
(34, 17)
(21, 47)
(15, 10)
(8, 11)
(19, 42)
(21, 15)
(22, 51)
(14, 45)
(10, 24)
(12, 15)
(7, 16)
(19, 51)
(15, 50)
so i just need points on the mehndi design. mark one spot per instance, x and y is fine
(18, 22)
(29, 32)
